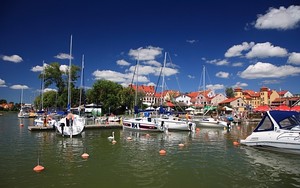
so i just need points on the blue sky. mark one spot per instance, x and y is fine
(249, 44)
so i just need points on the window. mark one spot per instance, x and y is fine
(288, 123)
(266, 125)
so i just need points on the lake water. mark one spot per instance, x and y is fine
(207, 159)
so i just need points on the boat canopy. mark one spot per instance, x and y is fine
(284, 119)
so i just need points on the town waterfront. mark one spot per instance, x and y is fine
(207, 159)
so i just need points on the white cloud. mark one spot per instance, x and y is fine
(2, 83)
(13, 58)
(49, 89)
(238, 64)
(191, 77)
(222, 62)
(265, 82)
(153, 63)
(63, 56)
(294, 58)
(264, 50)
(122, 62)
(215, 86)
(145, 54)
(64, 68)
(38, 68)
(216, 62)
(222, 74)
(267, 70)
(237, 49)
(191, 41)
(19, 87)
(281, 19)
(239, 84)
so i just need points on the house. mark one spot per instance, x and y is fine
(237, 103)
(184, 99)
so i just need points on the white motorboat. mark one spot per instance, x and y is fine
(45, 121)
(143, 124)
(212, 122)
(71, 125)
(278, 130)
(176, 124)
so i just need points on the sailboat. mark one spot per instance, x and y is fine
(43, 119)
(145, 123)
(24, 109)
(210, 121)
(72, 124)
(173, 123)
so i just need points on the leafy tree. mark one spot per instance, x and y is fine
(54, 76)
(107, 93)
(229, 92)
(3, 101)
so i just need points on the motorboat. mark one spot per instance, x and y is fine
(213, 122)
(71, 125)
(176, 124)
(143, 124)
(45, 121)
(277, 130)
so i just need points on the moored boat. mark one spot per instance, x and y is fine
(143, 124)
(278, 130)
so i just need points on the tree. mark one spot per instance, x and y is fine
(106, 93)
(229, 92)
(54, 76)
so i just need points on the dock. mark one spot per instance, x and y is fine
(111, 125)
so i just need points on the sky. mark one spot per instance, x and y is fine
(247, 44)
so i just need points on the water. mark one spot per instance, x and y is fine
(208, 159)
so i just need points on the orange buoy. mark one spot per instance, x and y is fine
(147, 135)
(235, 143)
(181, 145)
(85, 155)
(162, 152)
(21, 124)
(38, 168)
(197, 129)
(238, 127)
(113, 142)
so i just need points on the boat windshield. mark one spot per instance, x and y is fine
(265, 125)
(289, 122)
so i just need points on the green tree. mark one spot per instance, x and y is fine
(54, 76)
(106, 93)
(229, 92)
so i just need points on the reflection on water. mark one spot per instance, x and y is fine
(207, 159)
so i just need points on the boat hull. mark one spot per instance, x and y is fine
(210, 122)
(73, 128)
(142, 124)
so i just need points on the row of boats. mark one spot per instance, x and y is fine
(73, 124)
(277, 130)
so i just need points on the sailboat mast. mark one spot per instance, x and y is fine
(69, 81)
(43, 80)
(163, 79)
(137, 77)
(81, 81)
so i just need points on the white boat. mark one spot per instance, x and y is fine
(278, 130)
(143, 124)
(212, 122)
(176, 124)
(45, 121)
(71, 125)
